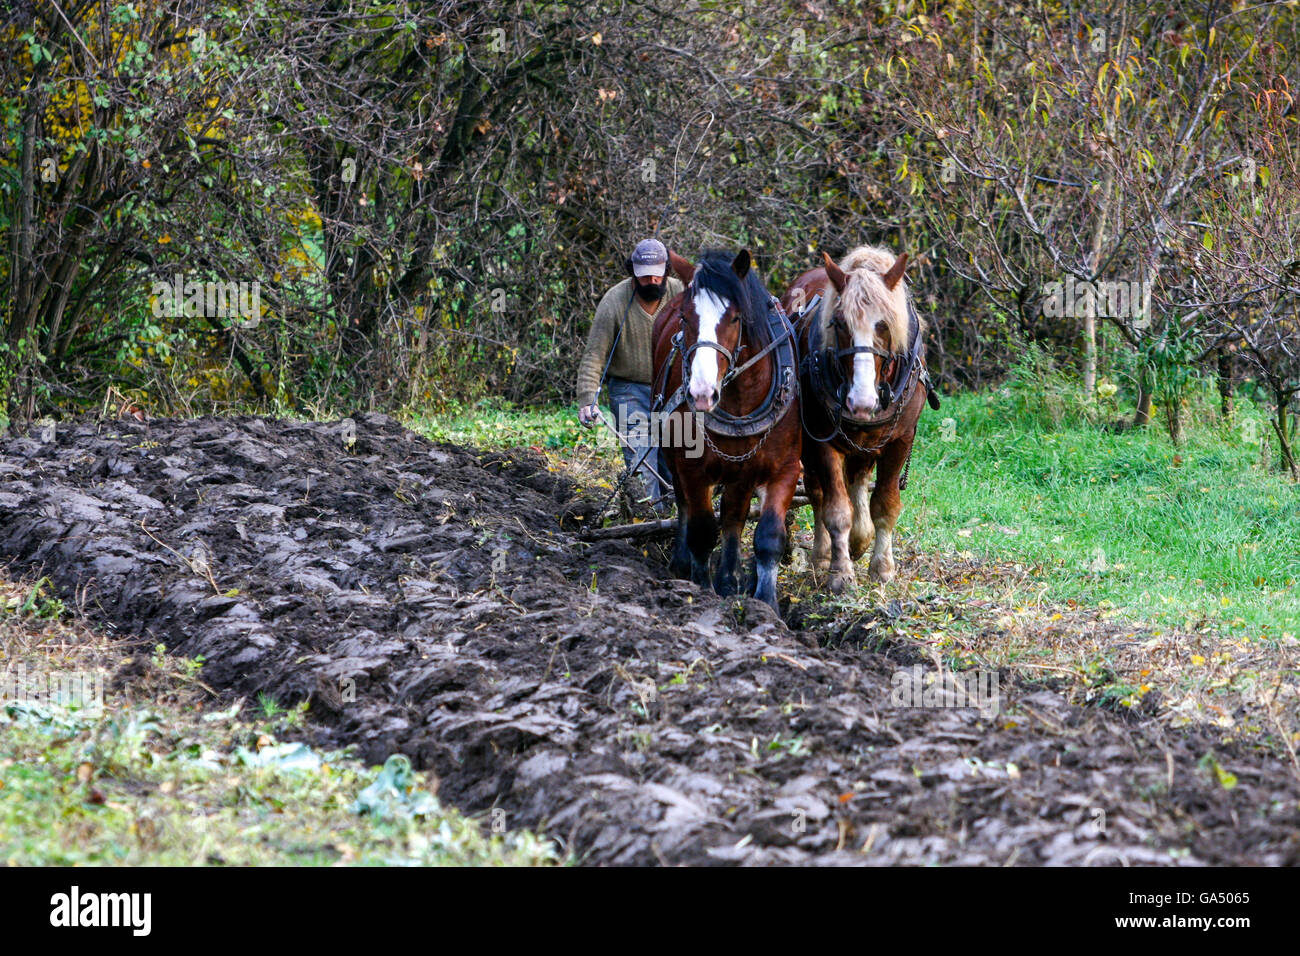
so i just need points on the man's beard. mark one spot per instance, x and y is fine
(650, 293)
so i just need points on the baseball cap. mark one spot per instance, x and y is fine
(650, 258)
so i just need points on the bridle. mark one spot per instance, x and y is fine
(830, 387)
(837, 320)
(688, 353)
(782, 391)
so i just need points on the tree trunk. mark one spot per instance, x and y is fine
(1090, 356)
(1226, 406)
(1094, 264)
(1142, 417)
(1174, 420)
(1284, 436)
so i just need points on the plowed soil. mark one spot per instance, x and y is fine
(427, 599)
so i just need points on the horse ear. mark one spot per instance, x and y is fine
(740, 265)
(685, 271)
(834, 273)
(895, 272)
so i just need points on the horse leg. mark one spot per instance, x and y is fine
(821, 552)
(680, 562)
(735, 509)
(770, 535)
(787, 555)
(839, 517)
(886, 503)
(701, 530)
(788, 550)
(862, 530)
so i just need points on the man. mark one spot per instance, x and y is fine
(619, 346)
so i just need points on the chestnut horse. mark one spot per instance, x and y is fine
(863, 356)
(724, 351)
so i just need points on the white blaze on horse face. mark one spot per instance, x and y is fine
(862, 398)
(709, 310)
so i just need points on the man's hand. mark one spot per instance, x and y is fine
(588, 415)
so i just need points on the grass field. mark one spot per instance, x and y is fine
(1115, 519)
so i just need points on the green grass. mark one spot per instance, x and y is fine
(153, 796)
(1115, 519)
(493, 423)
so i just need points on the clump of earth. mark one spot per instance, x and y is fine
(430, 600)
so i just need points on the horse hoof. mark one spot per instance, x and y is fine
(726, 587)
(884, 573)
(841, 582)
(821, 565)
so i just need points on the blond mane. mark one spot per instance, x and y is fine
(866, 301)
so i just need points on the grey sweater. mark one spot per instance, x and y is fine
(634, 355)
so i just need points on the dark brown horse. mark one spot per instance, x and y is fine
(723, 351)
(862, 375)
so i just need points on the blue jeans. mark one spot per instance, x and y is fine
(627, 400)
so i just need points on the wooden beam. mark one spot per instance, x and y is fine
(655, 528)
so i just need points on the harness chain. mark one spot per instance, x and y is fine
(736, 459)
